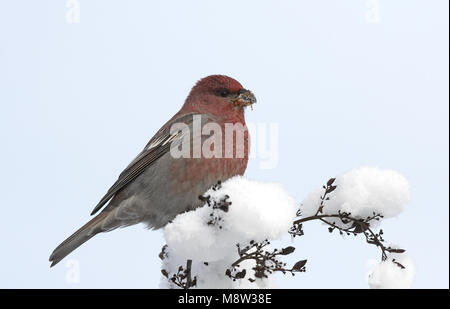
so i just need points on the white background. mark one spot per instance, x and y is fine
(79, 101)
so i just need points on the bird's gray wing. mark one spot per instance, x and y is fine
(159, 145)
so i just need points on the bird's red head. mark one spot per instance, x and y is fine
(214, 84)
(218, 94)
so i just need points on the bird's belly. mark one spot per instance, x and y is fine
(159, 194)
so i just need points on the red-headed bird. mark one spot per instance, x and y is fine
(156, 186)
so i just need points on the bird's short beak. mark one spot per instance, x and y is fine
(244, 98)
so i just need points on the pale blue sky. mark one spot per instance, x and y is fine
(79, 101)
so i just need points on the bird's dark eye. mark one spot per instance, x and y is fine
(223, 92)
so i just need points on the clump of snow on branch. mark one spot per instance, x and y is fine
(239, 211)
(396, 272)
(226, 242)
(362, 192)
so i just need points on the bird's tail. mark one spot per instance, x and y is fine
(78, 238)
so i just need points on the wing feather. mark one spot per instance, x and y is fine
(159, 146)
